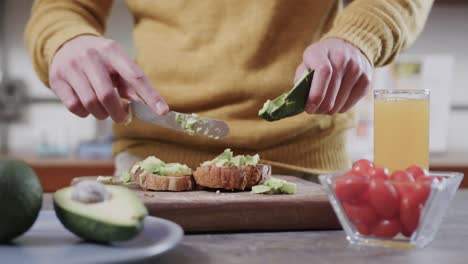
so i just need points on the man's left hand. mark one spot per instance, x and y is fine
(341, 78)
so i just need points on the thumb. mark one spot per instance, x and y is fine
(129, 94)
(123, 89)
(300, 71)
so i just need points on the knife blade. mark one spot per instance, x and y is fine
(191, 124)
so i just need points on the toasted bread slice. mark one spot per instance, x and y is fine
(149, 181)
(231, 177)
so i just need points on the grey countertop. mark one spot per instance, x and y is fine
(450, 245)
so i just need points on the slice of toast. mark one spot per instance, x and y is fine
(231, 177)
(149, 181)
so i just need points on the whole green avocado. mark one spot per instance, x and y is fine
(20, 198)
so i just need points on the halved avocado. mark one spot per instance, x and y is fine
(290, 103)
(117, 218)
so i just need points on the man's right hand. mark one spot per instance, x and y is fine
(92, 74)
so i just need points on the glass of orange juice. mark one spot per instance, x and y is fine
(401, 128)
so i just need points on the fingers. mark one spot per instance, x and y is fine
(362, 85)
(124, 90)
(77, 79)
(341, 77)
(339, 62)
(69, 98)
(103, 87)
(322, 76)
(135, 78)
(81, 74)
(149, 95)
(299, 72)
(350, 79)
(129, 94)
(358, 91)
(117, 59)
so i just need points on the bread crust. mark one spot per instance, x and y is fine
(231, 177)
(162, 183)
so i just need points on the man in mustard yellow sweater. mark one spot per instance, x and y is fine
(223, 59)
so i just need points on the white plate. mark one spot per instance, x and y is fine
(49, 242)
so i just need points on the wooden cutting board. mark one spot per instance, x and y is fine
(210, 211)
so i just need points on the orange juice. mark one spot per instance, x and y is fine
(401, 128)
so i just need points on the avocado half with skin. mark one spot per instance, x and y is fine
(290, 103)
(100, 213)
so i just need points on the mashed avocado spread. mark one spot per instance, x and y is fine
(154, 165)
(227, 158)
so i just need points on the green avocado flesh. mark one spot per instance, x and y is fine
(117, 219)
(154, 165)
(125, 179)
(20, 198)
(187, 122)
(227, 158)
(290, 103)
(275, 186)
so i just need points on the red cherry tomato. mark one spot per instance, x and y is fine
(426, 179)
(410, 211)
(364, 198)
(362, 166)
(350, 186)
(387, 228)
(378, 173)
(384, 198)
(401, 176)
(402, 188)
(420, 192)
(361, 214)
(405, 232)
(416, 171)
(363, 229)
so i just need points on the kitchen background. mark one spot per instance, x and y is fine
(43, 126)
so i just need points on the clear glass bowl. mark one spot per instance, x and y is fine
(442, 191)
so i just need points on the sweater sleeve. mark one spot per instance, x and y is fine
(52, 23)
(381, 28)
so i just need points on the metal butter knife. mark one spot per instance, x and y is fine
(188, 123)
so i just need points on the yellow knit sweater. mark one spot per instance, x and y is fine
(225, 58)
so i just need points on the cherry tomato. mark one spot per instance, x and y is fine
(426, 179)
(416, 171)
(350, 186)
(423, 188)
(363, 229)
(405, 232)
(384, 198)
(362, 166)
(402, 176)
(364, 198)
(420, 192)
(410, 211)
(402, 188)
(378, 173)
(387, 228)
(361, 214)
